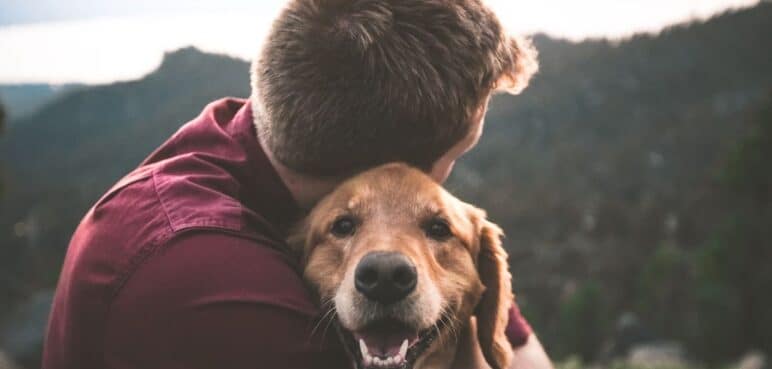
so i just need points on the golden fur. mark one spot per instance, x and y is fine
(464, 275)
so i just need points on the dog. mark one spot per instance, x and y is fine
(401, 266)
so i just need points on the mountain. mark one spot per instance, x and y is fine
(611, 158)
(606, 174)
(122, 122)
(58, 160)
(23, 99)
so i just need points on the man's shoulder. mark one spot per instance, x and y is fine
(206, 298)
(205, 267)
(150, 209)
(205, 195)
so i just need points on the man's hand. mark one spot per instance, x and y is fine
(470, 356)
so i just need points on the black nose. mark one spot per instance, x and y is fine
(385, 277)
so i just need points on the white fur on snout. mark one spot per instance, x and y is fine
(421, 309)
(345, 304)
(429, 303)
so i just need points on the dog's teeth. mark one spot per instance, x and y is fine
(387, 362)
(363, 348)
(397, 359)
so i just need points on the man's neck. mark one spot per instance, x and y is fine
(305, 189)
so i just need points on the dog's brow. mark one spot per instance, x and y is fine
(434, 209)
(433, 212)
(353, 203)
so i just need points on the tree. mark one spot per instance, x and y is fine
(733, 299)
(2, 128)
(583, 322)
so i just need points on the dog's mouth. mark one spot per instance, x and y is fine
(388, 344)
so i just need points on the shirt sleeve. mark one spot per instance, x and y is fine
(210, 300)
(518, 329)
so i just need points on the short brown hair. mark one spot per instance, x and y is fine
(345, 85)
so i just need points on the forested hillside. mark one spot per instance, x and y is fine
(606, 175)
(631, 177)
(28, 98)
(60, 159)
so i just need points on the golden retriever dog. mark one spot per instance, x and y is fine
(402, 266)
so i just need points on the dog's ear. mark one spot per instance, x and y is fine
(297, 240)
(493, 309)
(521, 59)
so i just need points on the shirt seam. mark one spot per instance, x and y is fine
(134, 262)
(161, 202)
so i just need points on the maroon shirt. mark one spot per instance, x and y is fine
(182, 264)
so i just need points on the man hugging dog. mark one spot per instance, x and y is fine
(183, 263)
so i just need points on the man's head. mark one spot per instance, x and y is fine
(345, 85)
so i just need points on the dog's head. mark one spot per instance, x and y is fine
(403, 264)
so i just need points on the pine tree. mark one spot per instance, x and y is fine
(2, 128)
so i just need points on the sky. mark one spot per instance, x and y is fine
(87, 41)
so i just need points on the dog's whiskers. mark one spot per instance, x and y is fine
(329, 322)
(451, 323)
(328, 315)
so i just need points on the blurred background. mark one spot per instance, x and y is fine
(633, 177)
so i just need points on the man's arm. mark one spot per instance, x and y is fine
(209, 300)
(528, 351)
(531, 356)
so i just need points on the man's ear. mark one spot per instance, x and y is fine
(493, 309)
(522, 60)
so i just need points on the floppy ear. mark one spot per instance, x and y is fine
(520, 58)
(493, 309)
(297, 240)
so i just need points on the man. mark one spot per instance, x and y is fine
(182, 263)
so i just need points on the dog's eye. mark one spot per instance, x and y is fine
(343, 227)
(438, 229)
